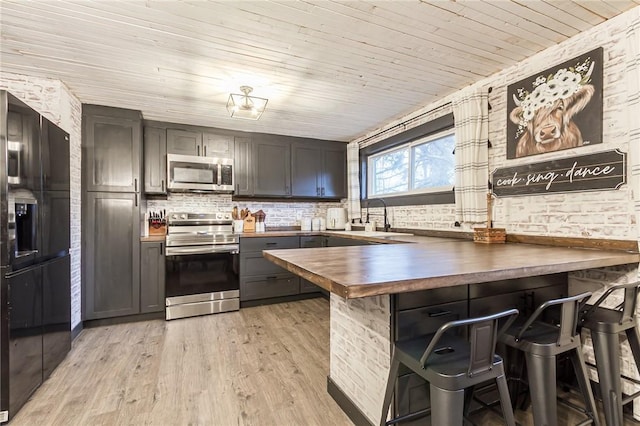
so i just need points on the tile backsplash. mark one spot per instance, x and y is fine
(279, 213)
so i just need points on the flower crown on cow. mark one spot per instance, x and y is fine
(564, 83)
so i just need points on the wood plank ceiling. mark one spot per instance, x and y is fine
(330, 69)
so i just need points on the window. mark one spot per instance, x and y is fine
(425, 165)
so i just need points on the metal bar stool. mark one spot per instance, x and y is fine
(452, 364)
(541, 342)
(606, 325)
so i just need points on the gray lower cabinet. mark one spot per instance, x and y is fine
(111, 254)
(152, 273)
(155, 160)
(260, 278)
(332, 241)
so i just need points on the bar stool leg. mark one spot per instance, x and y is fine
(542, 385)
(388, 394)
(447, 407)
(505, 400)
(606, 347)
(633, 336)
(577, 359)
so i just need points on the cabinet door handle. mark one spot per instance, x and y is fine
(272, 278)
(322, 193)
(205, 150)
(317, 190)
(198, 149)
(162, 185)
(135, 185)
(439, 314)
(136, 201)
(272, 244)
(161, 248)
(287, 191)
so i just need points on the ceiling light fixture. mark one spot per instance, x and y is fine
(245, 106)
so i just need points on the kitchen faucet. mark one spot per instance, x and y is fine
(387, 225)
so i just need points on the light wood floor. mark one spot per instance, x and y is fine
(259, 366)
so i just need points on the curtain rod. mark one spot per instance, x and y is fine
(404, 123)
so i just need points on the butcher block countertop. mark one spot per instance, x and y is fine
(361, 271)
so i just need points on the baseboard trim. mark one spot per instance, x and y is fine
(350, 409)
(75, 331)
(124, 319)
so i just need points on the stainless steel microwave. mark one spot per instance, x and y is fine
(199, 174)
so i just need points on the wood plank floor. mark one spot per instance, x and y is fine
(260, 366)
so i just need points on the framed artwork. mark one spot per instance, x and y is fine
(558, 108)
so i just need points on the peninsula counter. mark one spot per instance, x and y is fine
(379, 293)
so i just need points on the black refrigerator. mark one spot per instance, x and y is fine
(35, 271)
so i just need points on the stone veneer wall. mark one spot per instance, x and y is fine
(360, 350)
(279, 213)
(602, 214)
(54, 100)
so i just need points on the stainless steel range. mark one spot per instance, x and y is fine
(202, 265)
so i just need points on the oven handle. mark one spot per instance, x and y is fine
(183, 251)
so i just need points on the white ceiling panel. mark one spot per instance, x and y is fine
(330, 69)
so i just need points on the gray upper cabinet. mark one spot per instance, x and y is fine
(111, 255)
(155, 160)
(319, 171)
(112, 146)
(199, 141)
(334, 174)
(183, 142)
(272, 168)
(214, 145)
(152, 272)
(242, 161)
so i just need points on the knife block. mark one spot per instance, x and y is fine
(157, 228)
(249, 224)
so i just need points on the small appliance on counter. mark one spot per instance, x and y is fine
(305, 224)
(336, 218)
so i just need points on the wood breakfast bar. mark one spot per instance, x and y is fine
(388, 292)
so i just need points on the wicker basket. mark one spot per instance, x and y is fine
(489, 235)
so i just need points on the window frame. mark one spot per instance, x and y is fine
(410, 147)
(430, 128)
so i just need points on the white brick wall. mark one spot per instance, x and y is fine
(278, 213)
(603, 214)
(360, 350)
(54, 100)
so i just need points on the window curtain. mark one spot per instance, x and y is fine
(471, 114)
(353, 181)
(633, 108)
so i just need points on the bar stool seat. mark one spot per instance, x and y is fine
(541, 342)
(452, 364)
(606, 325)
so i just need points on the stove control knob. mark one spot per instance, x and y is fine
(175, 216)
(183, 216)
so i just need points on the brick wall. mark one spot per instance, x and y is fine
(360, 350)
(603, 214)
(54, 100)
(278, 213)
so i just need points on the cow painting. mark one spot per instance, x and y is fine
(546, 119)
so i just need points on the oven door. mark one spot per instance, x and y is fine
(201, 280)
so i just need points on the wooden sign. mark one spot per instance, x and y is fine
(592, 172)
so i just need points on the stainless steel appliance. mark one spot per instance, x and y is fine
(200, 174)
(35, 272)
(202, 265)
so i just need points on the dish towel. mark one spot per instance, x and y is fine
(471, 115)
(353, 181)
